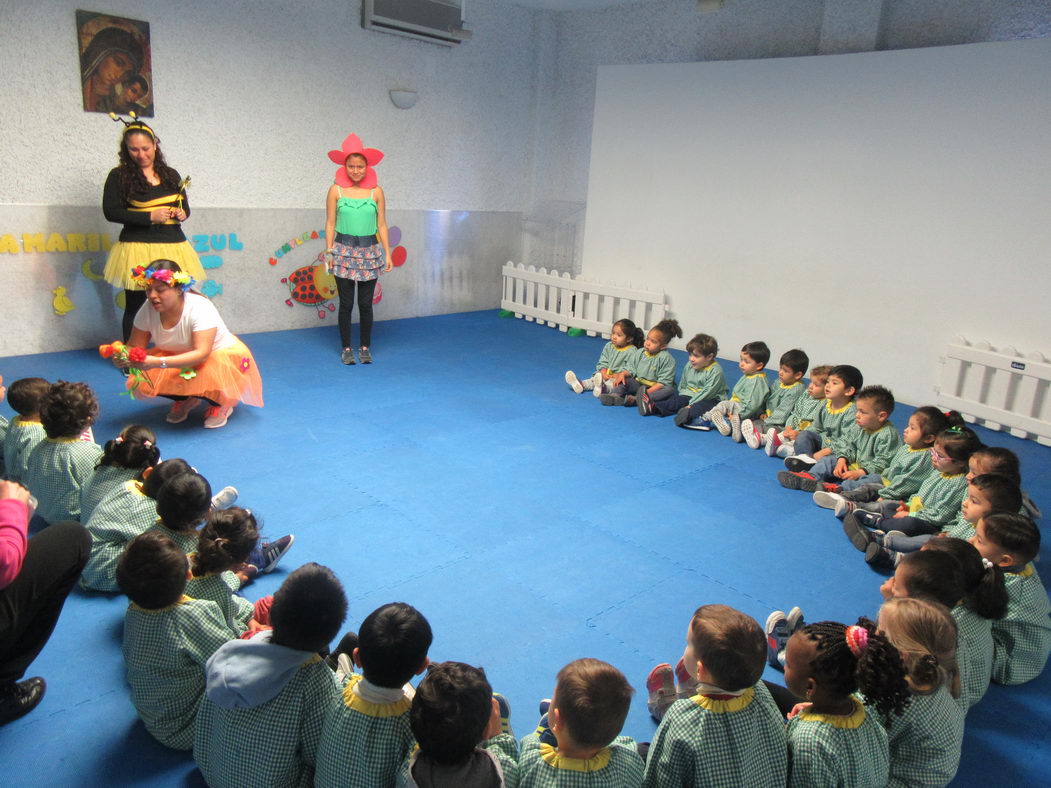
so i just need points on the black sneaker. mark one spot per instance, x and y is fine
(347, 356)
(20, 698)
(860, 536)
(880, 557)
(364, 355)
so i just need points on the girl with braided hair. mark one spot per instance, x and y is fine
(833, 738)
(925, 740)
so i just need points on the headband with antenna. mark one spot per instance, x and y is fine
(133, 125)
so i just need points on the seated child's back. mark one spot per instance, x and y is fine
(124, 458)
(26, 431)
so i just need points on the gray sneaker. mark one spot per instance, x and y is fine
(347, 356)
(364, 355)
(225, 498)
(718, 418)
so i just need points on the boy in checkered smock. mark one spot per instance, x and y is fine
(782, 401)
(1022, 637)
(182, 504)
(367, 735)
(168, 637)
(926, 739)
(780, 442)
(827, 433)
(124, 458)
(586, 714)
(701, 386)
(458, 724)
(266, 697)
(25, 432)
(729, 733)
(749, 395)
(63, 462)
(833, 739)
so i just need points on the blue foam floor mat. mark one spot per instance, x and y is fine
(532, 527)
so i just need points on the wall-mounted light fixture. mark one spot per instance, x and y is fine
(404, 99)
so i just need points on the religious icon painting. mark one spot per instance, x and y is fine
(116, 68)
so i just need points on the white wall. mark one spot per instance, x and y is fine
(865, 207)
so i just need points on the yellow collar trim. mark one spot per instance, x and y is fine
(1027, 571)
(705, 369)
(790, 385)
(622, 349)
(830, 409)
(181, 601)
(596, 762)
(135, 487)
(652, 355)
(742, 701)
(924, 448)
(354, 701)
(951, 475)
(756, 375)
(845, 721)
(25, 422)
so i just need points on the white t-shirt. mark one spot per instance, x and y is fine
(198, 314)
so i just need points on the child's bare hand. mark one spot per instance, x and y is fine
(798, 709)
(13, 491)
(791, 434)
(898, 514)
(255, 626)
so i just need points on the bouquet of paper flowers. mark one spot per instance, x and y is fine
(132, 355)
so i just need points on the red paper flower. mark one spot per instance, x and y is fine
(137, 354)
(106, 351)
(245, 364)
(353, 144)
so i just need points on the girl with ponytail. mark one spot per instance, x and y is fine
(124, 458)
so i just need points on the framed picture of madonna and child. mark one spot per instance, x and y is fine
(116, 71)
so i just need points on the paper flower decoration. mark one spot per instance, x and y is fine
(132, 355)
(353, 144)
(187, 373)
(182, 280)
(245, 364)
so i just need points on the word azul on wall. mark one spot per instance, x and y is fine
(55, 242)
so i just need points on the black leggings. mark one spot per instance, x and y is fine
(345, 287)
(133, 301)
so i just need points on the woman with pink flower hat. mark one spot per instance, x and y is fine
(358, 246)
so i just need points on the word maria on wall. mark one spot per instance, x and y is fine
(41, 243)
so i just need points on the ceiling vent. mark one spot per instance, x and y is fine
(437, 21)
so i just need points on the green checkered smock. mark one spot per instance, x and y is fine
(614, 359)
(752, 392)
(804, 412)
(363, 743)
(827, 750)
(658, 368)
(905, 473)
(959, 529)
(3, 437)
(704, 741)
(164, 653)
(22, 437)
(274, 744)
(502, 749)
(872, 450)
(974, 654)
(122, 515)
(56, 471)
(925, 740)
(781, 402)
(834, 426)
(220, 588)
(103, 480)
(1022, 637)
(616, 766)
(187, 540)
(703, 384)
(939, 497)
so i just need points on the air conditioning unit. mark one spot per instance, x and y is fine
(437, 21)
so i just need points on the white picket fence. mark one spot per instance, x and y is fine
(561, 300)
(998, 388)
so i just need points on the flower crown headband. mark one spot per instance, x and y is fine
(179, 279)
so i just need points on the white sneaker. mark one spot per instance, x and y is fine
(718, 419)
(574, 382)
(225, 498)
(827, 500)
(784, 451)
(600, 386)
(771, 443)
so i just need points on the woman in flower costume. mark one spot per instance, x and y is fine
(194, 357)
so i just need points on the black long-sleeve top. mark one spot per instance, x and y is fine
(134, 213)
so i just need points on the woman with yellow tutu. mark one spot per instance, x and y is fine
(194, 356)
(149, 199)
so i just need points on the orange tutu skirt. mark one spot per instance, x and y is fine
(228, 376)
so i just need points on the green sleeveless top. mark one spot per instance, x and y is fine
(355, 215)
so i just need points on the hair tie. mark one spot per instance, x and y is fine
(857, 639)
(147, 444)
(929, 660)
(987, 563)
(954, 430)
(119, 439)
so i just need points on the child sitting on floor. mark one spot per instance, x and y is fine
(124, 458)
(728, 731)
(456, 722)
(749, 395)
(367, 734)
(182, 504)
(701, 386)
(831, 423)
(865, 451)
(585, 716)
(266, 697)
(997, 459)
(652, 368)
(168, 637)
(782, 401)
(833, 739)
(781, 443)
(25, 432)
(625, 339)
(62, 463)
(1023, 635)
(926, 739)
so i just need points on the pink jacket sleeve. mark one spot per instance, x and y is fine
(14, 520)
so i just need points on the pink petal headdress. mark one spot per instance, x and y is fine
(353, 144)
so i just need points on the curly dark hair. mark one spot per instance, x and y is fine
(132, 181)
(451, 711)
(878, 672)
(226, 540)
(135, 448)
(68, 409)
(669, 329)
(152, 571)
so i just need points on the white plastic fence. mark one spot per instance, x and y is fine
(563, 301)
(1000, 389)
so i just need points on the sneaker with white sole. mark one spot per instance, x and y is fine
(660, 686)
(216, 416)
(771, 442)
(685, 684)
(180, 409)
(799, 462)
(599, 386)
(828, 500)
(784, 451)
(699, 423)
(225, 498)
(795, 620)
(365, 355)
(735, 427)
(574, 382)
(611, 399)
(645, 404)
(273, 552)
(752, 438)
(718, 420)
(777, 634)
(347, 356)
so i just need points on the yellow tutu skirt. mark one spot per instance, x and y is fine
(125, 256)
(228, 376)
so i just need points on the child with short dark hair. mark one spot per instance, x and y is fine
(367, 735)
(123, 459)
(652, 368)
(781, 443)
(925, 740)
(728, 731)
(61, 464)
(25, 432)
(749, 395)
(782, 400)
(701, 385)
(865, 451)
(1023, 635)
(182, 503)
(833, 739)
(625, 341)
(586, 714)
(831, 424)
(997, 459)
(457, 725)
(124, 513)
(266, 697)
(168, 637)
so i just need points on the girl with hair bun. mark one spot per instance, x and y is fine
(625, 339)
(652, 368)
(123, 458)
